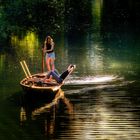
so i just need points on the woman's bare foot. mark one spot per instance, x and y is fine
(47, 80)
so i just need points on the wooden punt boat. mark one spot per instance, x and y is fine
(37, 84)
(33, 84)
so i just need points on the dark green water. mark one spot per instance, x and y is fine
(102, 100)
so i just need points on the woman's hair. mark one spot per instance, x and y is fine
(47, 38)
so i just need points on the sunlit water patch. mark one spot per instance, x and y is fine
(82, 85)
(103, 111)
(92, 79)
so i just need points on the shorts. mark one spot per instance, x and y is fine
(50, 55)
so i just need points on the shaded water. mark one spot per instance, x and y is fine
(101, 99)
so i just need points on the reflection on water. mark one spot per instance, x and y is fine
(109, 117)
(47, 112)
(90, 113)
(30, 40)
(104, 113)
(2, 59)
(91, 79)
(100, 100)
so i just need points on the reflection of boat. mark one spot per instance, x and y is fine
(45, 113)
(37, 105)
(59, 95)
(33, 83)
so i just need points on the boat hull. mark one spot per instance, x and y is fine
(36, 88)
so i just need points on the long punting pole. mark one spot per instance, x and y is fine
(42, 61)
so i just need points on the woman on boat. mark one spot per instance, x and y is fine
(49, 53)
(60, 77)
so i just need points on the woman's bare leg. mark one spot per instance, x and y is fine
(48, 60)
(52, 63)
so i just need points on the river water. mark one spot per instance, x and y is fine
(101, 97)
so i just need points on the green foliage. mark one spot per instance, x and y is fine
(43, 16)
(38, 15)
